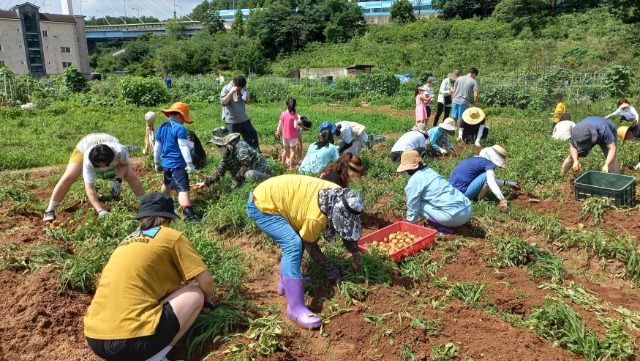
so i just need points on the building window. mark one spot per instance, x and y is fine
(0, 47)
(20, 46)
(44, 33)
(48, 63)
(1, 62)
(65, 49)
(66, 64)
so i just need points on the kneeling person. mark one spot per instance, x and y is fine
(438, 137)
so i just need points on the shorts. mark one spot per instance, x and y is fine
(140, 348)
(290, 142)
(76, 156)
(176, 179)
(457, 110)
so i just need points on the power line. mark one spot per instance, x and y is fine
(115, 11)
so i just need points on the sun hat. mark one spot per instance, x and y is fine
(150, 117)
(225, 139)
(305, 123)
(420, 127)
(156, 204)
(496, 154)
(355, 172)
(179, 107)
(454, 74)
(422, 88)
(473, 115)
(327, 124)
(583, 137)
(431, 79)
(343, 207)
(218, 133)
(409, 160)
(622, 133)
(448, 124)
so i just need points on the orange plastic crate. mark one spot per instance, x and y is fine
(427, 237)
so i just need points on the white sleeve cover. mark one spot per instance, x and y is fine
(184, 149)
(157, 148)
(491, 181)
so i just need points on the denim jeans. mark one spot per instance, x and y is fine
(279, 229)
(475, 186)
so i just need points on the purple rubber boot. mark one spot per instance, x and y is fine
(296, 309)
(441, 229)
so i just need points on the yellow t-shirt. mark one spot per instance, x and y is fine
(295, 197)
(144, 269)
(561, 108)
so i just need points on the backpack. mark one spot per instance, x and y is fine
(198, 155)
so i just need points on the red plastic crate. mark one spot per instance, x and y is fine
(427, 237)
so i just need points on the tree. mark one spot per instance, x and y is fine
(330, 20)
(207, 13)
(402, 12)
(277, 27)
(627, 10)
(238, 23)
(465, 8)
(521, 13)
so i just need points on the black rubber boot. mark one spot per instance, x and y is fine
(189, 215)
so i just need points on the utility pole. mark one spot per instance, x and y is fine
(125, 11)
(82, 1)
(138, 12)
(174, 9)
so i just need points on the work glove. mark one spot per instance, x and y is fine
(116, 188)
(235, 184)
(459, 140)
(332, 273)
(158, 168)
(637, 166)
(208, 304)
(478, 144)
(454, 150)
(443, 151)
(356, 261)
(605, 169)
(503, 205)
(576, 167)
(102, 213)
(191, 168)
(516, 187)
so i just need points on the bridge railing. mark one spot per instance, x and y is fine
(187, 25)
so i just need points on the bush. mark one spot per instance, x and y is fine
(617, 80)
(142, 91)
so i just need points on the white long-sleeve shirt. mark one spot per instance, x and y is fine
(629, 113)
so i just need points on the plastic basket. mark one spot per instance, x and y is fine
(374, 139)
(427, 236)
(620, 189)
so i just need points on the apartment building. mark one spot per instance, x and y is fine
(42, 44)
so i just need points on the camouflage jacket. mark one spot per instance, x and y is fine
(238, 162)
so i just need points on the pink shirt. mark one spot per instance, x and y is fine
(288, 124)
(421, 109)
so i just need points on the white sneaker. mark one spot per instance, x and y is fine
(49, 216)
(637, 166)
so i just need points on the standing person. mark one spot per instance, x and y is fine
(168, 81)
(464, 89)
(242, 162)
(415, 139)
(172, 156)
(149, 132)
(588, 133)
(304, 125)
(421, 104)
(233, 98)
(561, 109)
(320, 153)
(142, 306)
(444, 96)
(476, 175)
(430, 196)
(348, 168)
(474, 129)
(428, 92)
(438, 137)
(353, 137)
(288, 124)
(294, 210)
(95, 152)
(625, 110)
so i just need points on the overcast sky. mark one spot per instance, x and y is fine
(161, 9)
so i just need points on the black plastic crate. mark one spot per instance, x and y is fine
(620, 189)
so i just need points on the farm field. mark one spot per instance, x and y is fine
(549, 279)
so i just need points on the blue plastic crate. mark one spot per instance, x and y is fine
(620, 189)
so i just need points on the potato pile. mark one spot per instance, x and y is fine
(395, 242)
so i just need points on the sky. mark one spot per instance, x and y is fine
(161, 9)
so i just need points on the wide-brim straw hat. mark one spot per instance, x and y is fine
(622, 133)
(454, 74)
(179, 107)
(473, 115)
(448, 124)
(409, 160)
(496, 154)
(420, 127)
(356, 172)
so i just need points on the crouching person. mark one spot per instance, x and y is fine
(141, 307)
(430, 195)
(294, 210)
(240, 159)
(438, 141)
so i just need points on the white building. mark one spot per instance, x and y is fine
(42, 44)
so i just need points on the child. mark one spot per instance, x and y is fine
(421, 107)
(172, 148)
(431, 81)
(305, 124)
(561, 108)
(150, 119)
(289, 126)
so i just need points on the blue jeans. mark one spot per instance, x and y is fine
(475, 186)
(457, 110)
(279, 229)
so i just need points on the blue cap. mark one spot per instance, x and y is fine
(327, 124)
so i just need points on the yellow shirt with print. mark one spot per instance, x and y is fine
(140, 273)
(561, 108)
(295, 197)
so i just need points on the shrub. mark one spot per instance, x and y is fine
(618, 80)
(142, 91)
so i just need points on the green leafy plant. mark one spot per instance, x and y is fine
(469, 292)
(595, 207)
(215, 325)
(444, 352)
(142, 91)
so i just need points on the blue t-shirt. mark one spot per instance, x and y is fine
(318, 158)
(168, 134)
(468, 170)
(606, 130)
